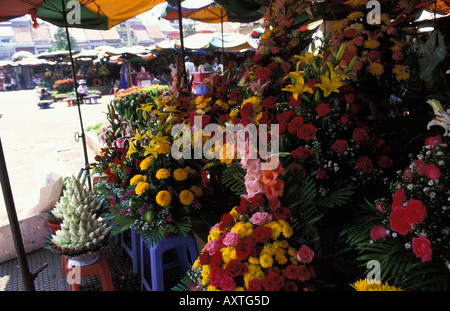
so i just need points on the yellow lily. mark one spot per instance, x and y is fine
(137, 137)
(299, 88)
(159, 139)
(132, 149)
(309, 57)
(329, 86)
(150, 149)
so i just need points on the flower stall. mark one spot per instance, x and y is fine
(357, 170)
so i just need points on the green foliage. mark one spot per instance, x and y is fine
(233, 178)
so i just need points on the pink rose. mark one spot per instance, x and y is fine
(422, 248)
(391, 30)
(230, 239)
(399, 198)
(398, 222)
(432, 172)
(216, 276)
(359, 41)
(212, 247)
(415, 212)
(260, 218)
(433, 141)
(227, 284)
(397, 56)
(305, 254)
(358, 66)
(378, 233)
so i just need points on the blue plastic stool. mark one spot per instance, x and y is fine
(132, 251)
(152, 260)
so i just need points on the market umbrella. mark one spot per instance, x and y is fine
(92, 14)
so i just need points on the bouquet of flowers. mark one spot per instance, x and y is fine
(409, 232)
(250, 250)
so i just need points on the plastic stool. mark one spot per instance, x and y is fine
(100, 267)
(132, 251)
(152, 260)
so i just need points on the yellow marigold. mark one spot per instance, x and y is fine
(276, 229)
(285, 228)
(240, 229)
(180, 174)
(163, 198)
(371, 44)
(281, 258)
(239, 289)
(356, 3)
(401, 73)
(206, 272)
(235, 214)
(214, 234)
(265, 261)
(164, 148)
(376, 69)
(212, 289)
(228, 253)
(141, 187)
(253, 260)
(196, 264)
(145, 163)
(163, 173)
(373, 285)
(186, 197)
(137, 179)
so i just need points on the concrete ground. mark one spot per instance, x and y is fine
(37, 142)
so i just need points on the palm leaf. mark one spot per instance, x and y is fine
(233, 178)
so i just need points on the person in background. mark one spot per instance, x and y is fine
(206, 66)
(217, 68)
(190, 67)
(82, 90)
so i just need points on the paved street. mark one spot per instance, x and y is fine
(38, 142)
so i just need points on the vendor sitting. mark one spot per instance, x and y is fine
(82, 90)
(45, 99)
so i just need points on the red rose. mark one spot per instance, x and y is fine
(254, 285)
(307, 132)
(262, 234)
(322, 173)
(384, 161)
(398, 221)
(323, 110)
(242, 209)
(422, 248)
(378, 233)
(302, 153)
(246, 110)
(349, 98)
(235, 267)
(295, 102)
(226, 221)
(273, 281)
(360, 135)
(432, 172)
(204, 258)
(245, 248)
(270, 102)
(295, 124)
(305, 254)
(415, 212)
(216, 259)
(112, 178)
(266, 118)
(349, 33)
(364, 165)
(285, 116)
(282, 212)
(433, 141)
(339, 146)
(216, 276)
(344, 119)
(399, 198)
